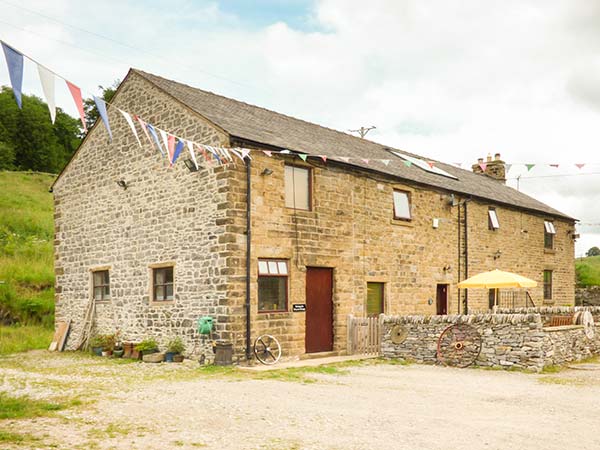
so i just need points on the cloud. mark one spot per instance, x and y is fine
(449, 80)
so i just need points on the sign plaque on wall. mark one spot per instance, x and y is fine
(299, 307)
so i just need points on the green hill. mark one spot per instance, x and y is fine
(588, 271)
(26, 255)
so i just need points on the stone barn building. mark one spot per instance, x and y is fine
(157, 247)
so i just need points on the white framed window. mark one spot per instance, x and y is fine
(549, 232)
(549, 227)
(272, 285)
(402, 205)
(493, 223)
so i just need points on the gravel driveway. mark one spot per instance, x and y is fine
(370, 405)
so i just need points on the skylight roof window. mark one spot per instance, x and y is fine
(424, 165)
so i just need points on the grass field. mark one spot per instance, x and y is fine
(588, 271)
(26, 259)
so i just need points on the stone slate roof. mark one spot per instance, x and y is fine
(263, 126)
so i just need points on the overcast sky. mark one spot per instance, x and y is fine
(452, 81)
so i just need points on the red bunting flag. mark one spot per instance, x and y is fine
(171, 147)
(579, 166)
(76, 93)
(323, 157)
(483, 166)
(144, 129)
(366, 161)
(430, 163)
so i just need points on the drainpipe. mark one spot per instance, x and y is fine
(248, 254)
(466, 257)
(458, 254)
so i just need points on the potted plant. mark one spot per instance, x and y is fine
(147, 346)
(96, 344)
(175, 348)
(108, 344)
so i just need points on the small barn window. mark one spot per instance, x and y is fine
(493, 223)
(547, 285)
(402, 205)
(101, 285)
(549, 232)
(297, 187)
(272, 285)
(162, 284)
(375, 305)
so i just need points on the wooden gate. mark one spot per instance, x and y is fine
(364, 335)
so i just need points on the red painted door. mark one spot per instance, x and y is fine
(319, 310)
(442, 299)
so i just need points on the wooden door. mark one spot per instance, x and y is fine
(442, 299)
(319, 310)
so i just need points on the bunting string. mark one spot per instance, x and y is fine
(170, 146)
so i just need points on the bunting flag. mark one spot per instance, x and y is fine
(213, 152)
(457, 164)
(76, 93)
(323, 157)
(529, 166)
(483, 166)
(101, 106)
(156, 140)
(144, 129)
(430, 164)
(507, 167)
(225, 152)
(407, 163)
(171, 147)
(47, 81)
(245, 153)
(579, 166)
(14, 61)
(269, 153)
(178, 148)
(131, 125)
(366, 161)
(554, 165)
(165, 141)
(285, 152)
(236, 152)
(345, 159)
(385, 162)
(302, 156)
(190, 146)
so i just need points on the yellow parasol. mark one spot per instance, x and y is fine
(495, 279)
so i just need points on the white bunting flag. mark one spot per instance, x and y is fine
(236, 152)
(345, 158)
(131, 125)
(165, 138)
(245, 153)
(47, 80)
(190, 145)
(385, 162)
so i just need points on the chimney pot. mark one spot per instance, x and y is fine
(489, 158)
(479, 160)
(497, 156)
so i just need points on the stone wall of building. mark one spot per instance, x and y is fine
(166, 215)
(351, 229)
(507, 340)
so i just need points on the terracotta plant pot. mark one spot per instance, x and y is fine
(178, 358)
(106, 353)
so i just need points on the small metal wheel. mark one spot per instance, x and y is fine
(459, 346)
(267, 349)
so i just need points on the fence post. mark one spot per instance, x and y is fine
(380, 335)
(349, 349)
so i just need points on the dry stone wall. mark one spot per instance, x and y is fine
(508, 340)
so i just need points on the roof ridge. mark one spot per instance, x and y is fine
(384, 147)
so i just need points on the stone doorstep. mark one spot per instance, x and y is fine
(312, 362)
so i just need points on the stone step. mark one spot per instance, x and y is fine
(322, 355)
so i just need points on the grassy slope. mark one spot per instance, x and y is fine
(26, 258)
(588, 271)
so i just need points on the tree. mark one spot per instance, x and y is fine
(594, 251)
(29, 140)
(89, 105)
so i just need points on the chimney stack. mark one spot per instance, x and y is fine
(492, 167)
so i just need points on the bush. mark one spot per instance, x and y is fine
(147, 345)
